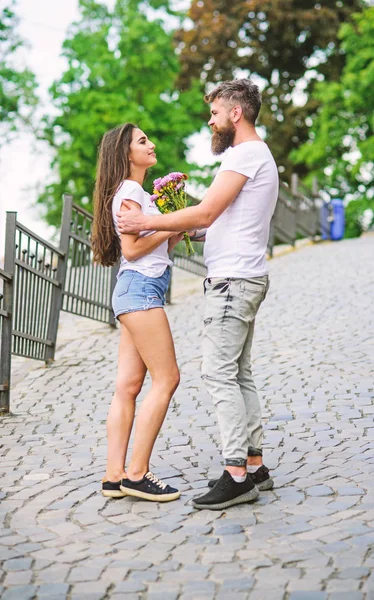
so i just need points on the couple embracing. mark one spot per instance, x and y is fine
(236, 212)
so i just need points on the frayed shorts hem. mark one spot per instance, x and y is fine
(132, 310)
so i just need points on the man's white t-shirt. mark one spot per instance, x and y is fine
(154, 263)
(236, 242)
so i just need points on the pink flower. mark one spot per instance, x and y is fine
(177, 176)
(174, 177)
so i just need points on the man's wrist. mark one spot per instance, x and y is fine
(147, 222)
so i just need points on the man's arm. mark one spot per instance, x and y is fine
(134, 247)
(219, 196)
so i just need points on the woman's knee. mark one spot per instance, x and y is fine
(175, 380)
(129, 387)
(168, 382)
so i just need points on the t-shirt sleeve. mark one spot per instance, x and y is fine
(128, 190)
(243, 161)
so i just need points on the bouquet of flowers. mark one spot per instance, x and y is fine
(169, 195)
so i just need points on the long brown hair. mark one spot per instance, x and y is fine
(113, 166)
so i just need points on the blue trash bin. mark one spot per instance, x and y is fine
(337, 223)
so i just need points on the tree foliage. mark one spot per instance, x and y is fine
(359, 216)
(288, 43)
(17, 86)
(122, 66)
(340, 150)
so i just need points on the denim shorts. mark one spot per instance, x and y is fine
(135, 291)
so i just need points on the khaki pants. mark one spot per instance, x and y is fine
(231, 306)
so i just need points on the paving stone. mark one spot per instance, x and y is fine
(53, 589)
(319, 490)
(17, 564)
(130, 586)
(196, 588)
(354, 573)
(351, 595)
(19, 592)
(18, 578)
(337, 585)
(126, 596)
(237, 584)
(90, 588)
(80, 573)
(162, 596)
(308, 596)
(143, 576)
(227, 529)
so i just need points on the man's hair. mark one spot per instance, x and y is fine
(239, 91)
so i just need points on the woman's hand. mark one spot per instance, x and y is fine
(198, 235)
(174, 239)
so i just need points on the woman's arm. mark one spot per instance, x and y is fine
(134, 247)
(174, 239)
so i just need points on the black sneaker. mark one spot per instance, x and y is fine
(261, 478)
(111, 489)
(226, 493)
(149, 488)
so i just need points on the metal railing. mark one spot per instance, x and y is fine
(308, 209)
(39, 280)
(88, 287)
(37, 287)
(6, 310)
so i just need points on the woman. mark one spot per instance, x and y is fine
(146, 342)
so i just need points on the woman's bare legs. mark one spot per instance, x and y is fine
(130, 378)
(151, 335)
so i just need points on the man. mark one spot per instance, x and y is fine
(237, 210)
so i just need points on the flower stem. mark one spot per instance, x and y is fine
(189, 247)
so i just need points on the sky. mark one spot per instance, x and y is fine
(25, 163)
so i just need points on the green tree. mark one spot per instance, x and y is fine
(359, 215)
(122, 66)
(340, 149)
(17, 86)
(288, 44)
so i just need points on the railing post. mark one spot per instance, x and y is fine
(295, 193)
(7, 325)
(294, 183)
(271, 236)
(58, 291)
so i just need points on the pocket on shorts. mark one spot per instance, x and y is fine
(124, 283)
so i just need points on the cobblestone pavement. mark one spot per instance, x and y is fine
(311, 538)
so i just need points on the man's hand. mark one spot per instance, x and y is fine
(130, 220)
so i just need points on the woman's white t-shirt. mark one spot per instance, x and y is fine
(154, 263)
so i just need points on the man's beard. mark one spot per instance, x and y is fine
(223, 138)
